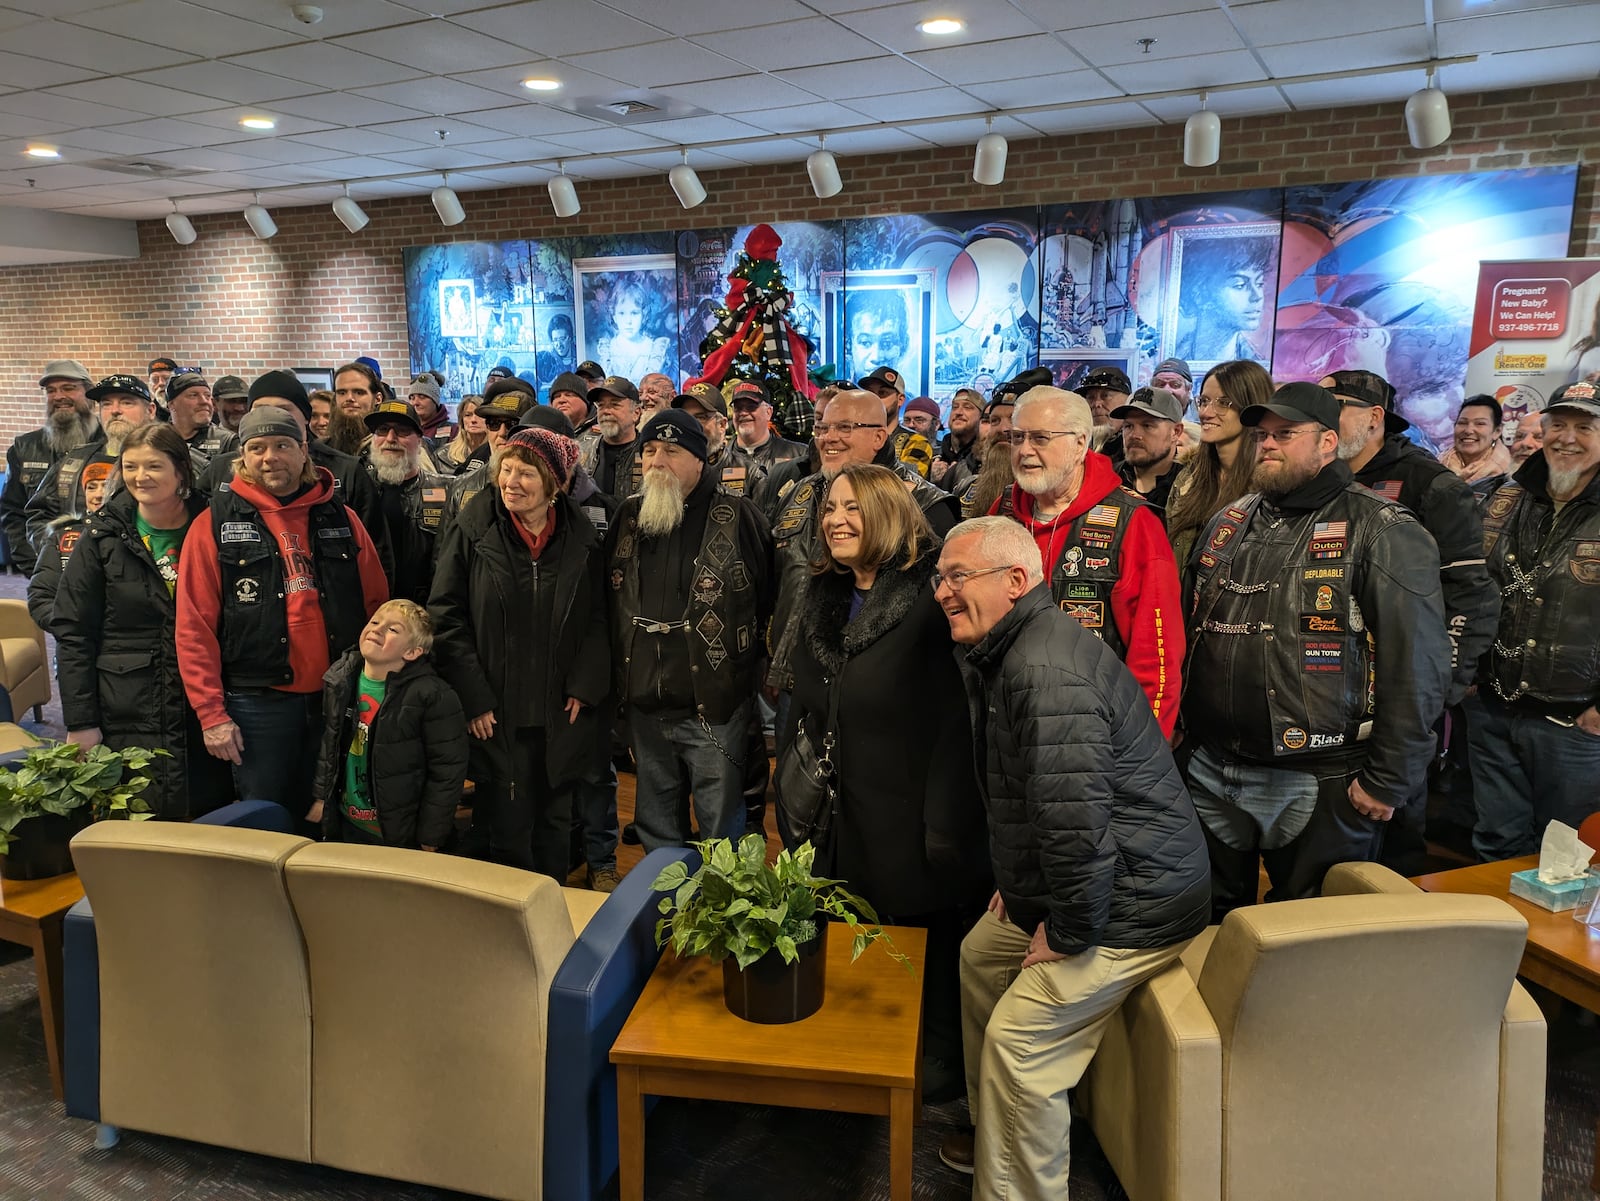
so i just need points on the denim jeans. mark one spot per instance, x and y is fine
(1526, 772)
(594, 806)
(282, 734)
(668, 745)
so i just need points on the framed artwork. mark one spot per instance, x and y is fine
(626, 314)
(315, 377)
(1221, 293)
(880, 319)
(458, 308)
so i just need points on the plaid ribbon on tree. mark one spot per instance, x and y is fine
(758, 331)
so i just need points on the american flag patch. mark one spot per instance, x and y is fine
(1105, 515)
(1388, 489)
(1330, 529)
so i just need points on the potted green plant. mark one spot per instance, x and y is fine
(766, 923)
(58, 789)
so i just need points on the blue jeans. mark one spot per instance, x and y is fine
(282, 734)
(1526, 772)
(665, 747)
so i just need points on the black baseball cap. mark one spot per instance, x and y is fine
(130, 384)
(613, 385)
(391, 411)
(231, 387)
(1355, 385)
(707, 396)
(1581, 395)
(1297, 402)
(1108, 377)
(883, 375)
(591, 371)
(750, 390)
(162, 363)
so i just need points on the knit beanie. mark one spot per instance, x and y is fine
(559, 452)
(283, 385)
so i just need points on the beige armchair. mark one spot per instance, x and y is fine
(1370, 1043)
(24, 663)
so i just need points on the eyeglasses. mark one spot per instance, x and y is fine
(843, 428)
(1215, 402)
(395, 428)
(1038, 438)
(958, 579)
(499, 423)
(1283, 437)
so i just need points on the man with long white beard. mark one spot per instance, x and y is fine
(1532, 724)
(690, 573)
(69, 423)
(411, 498)
(124, 403)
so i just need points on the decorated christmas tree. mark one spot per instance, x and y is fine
(753, 339)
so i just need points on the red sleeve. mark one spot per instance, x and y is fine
(1145, 604)
(374, 584)
(199, 618)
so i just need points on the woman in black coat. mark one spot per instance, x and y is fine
(909, 832)
(115, 627)
(519, 633)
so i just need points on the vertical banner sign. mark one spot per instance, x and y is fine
(1535, 328)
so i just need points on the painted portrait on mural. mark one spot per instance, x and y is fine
(627, 316)
(1217, 301)
(458, 309)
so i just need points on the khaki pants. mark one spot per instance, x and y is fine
(1027, 1036)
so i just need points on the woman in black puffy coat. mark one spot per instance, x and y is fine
(115, 622)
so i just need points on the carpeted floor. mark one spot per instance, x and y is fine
(695, 1150)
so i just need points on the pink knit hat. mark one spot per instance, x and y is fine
(557, 450)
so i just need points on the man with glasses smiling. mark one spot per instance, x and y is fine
(1318, 661)
(1105, 553)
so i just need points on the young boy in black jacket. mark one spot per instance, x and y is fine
(394, 747)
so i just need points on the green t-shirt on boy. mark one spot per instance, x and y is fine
(357, 808)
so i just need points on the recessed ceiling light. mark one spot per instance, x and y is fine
(942, 26)
(258, 123)
(43, 152)
(542, 85)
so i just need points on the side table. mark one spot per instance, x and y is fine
(31, 912)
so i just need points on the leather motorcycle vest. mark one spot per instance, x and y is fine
(1278, 592)
(254, 630)
(719, 622)
(1548, 567)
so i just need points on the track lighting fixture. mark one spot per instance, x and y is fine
(259, 220)
(989, 164)
(823, 169)
(350, 213)
(1202, 137)
(686, 185)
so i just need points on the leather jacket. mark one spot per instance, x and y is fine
(1545, 656)
(1317, 635)
(424, 499)
(27, 463)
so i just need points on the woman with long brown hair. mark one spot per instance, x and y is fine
(1219, 472)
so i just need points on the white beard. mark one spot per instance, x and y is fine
(1564, 482)
(117, 429)
(393, 471)
(660, 504)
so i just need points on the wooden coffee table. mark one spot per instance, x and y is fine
(31, 912)
(860, 1053)
(1562, 955)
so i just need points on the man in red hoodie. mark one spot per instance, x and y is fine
(274, 584)
(1105, 554)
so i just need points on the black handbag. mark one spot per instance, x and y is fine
(807, 784)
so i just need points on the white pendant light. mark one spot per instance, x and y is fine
(686, 185)
(823, 169)
(563, 193)
(1202, 137)
(180, 227)
(989, 163)
(259, 220)
(350, 213)
(447, 204)
(1428, 117)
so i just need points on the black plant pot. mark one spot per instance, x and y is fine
(41, 846)
(771, 991)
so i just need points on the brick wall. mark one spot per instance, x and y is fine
(316, 294)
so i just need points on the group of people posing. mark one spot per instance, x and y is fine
(1079, 668)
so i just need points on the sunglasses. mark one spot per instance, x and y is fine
(499, 423)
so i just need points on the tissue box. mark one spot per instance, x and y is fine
(1555, 897)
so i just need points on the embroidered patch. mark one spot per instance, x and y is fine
(1322, 656)
(1586, 550)
(68, 541)
(722, 514)
(1331, 529)
(433, 496)
(710, 628)
(1091, 615)
(1388, 489)
(1325, 599)
(721, 549)
(239, 531)
(739, 578)
(625, 546)
(1222, 537)
(1326, 548)
(1082, 592)
(1500, 504)
(329, 532)
(1095, 564)
(1208, 559)
(1322, 573)
(1294, 738)
(1585, 571)
(1236, 514)
(1071, 561)
(1106, 515)
(1310, 623)
(597, 517)
(247, 592)
(616, 579)
(1100, 539)
(708, 591)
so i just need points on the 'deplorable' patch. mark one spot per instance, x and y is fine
(239, 531)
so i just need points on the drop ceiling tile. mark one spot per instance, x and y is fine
(1451, 10)
(1195, 71)
(227, 120)
(775, 150)
(340, 17)
(894, 26)
(228, 82)
(608, 168)
(425, 131)
(136, 210)
(1248, 103)
(696, 129)
(57, 8)
(1176, 37)
(954, 133)
(791, 44)
(743, 94)
(452, 158)
(1329, 54)
(449, 8)
(342, 108)
(658, 65)
(1522, 68)
(353, 141)
(664, 160)
(1368, 89)
(1286, 21)
(689, 17)
(608, 141)
(806, 118)
(269, 150)
(26, 72)
(58, 176)
(504, 177)
(868, 77)
(115, 142)
(840, 6)
(1080, 120)
(574, 82)
(64, 112)
(532, 120)
(182, 26)
(326, 65)
(1075, 14)
(10, 18)
(437, 95)
(1038, 54)
(572, 27)
(138, 97)
(172, 129)
(1043, 89)
(1508, 32)
(907, 106)
(880, 141)
(434, 47)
